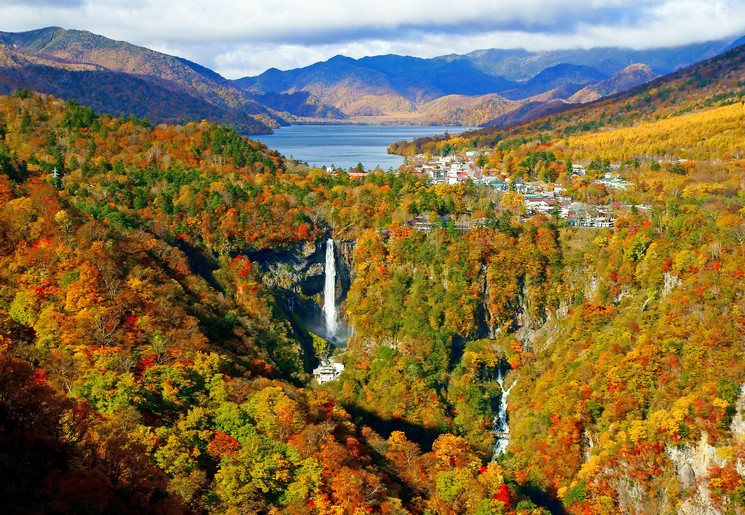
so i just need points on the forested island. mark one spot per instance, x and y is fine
(161, 313)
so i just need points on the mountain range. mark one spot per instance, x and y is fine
(392, 88)
(122, 79)
(480, 88)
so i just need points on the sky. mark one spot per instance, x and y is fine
(246, 37)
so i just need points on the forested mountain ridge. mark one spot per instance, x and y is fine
(115, 92)
(170, 88)
(135, 298)
(614, 380)
(156, 285)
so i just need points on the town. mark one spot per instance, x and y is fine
(529, 197)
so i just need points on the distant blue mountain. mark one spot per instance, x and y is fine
(736, 43)
(413, 78)
(389, 85)
(573, 77)
(521, 65)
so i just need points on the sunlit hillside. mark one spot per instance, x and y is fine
(705, 135)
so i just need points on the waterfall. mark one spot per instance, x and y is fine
(645, 304)
(329, 291)
(499, 425)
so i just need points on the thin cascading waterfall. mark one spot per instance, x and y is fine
(500, 426)
(329, 291)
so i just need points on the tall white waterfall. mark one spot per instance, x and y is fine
(329, 291)
(500, 426)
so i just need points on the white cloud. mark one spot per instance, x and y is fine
(245, 38)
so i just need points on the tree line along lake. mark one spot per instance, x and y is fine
(344, 146)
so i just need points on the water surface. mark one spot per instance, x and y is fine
(344, 146)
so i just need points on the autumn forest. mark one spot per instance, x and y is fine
(160, 286)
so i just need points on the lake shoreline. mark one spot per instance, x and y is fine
(344, 146)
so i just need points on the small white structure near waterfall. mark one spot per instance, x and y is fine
(327, 371)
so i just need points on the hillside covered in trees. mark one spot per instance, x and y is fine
(122, 79)
(715, 82)
(157, 286)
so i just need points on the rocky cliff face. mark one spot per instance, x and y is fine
(297, 274)
(692, 464)
(738, 420)
(297, 270)
(345, 248)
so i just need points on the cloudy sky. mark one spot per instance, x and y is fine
(245, 37)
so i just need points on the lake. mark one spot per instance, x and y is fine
(343, 146)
